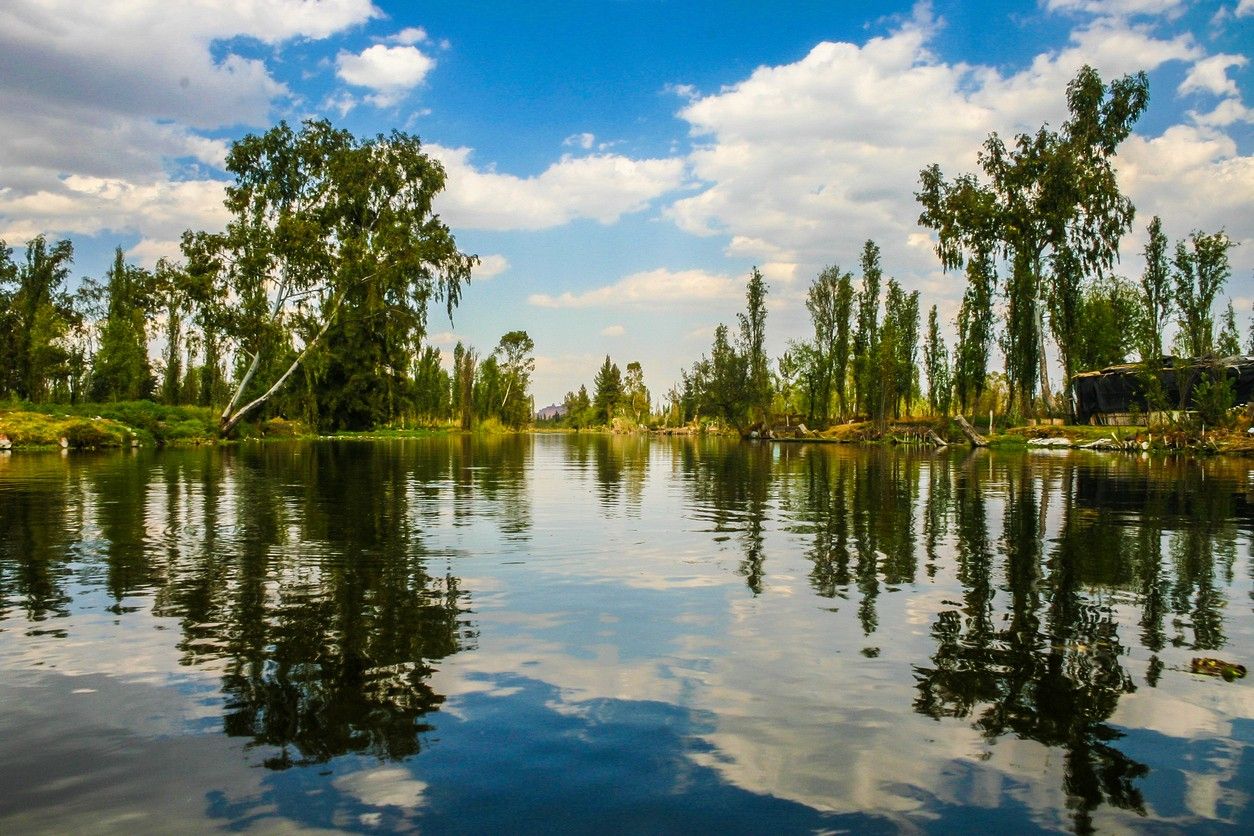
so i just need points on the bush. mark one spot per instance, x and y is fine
(1213, 398)
(86, 434)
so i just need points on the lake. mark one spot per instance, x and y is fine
(623, 634)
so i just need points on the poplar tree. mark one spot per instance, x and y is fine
(753, 346)
(936, 365)
(1156, 293)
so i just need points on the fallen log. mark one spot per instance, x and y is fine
(936, 440)
(975, 438)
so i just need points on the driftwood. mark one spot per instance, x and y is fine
(975, 438)
(936, 440)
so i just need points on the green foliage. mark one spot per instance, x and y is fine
(121, 371)
(1156, 299)
(332, 246)
(516, 364)
(37, 317)
(1106, 308)
(1200, 274)
(936, 365)
(1213, 398)
(830, 303)
(757, 391)
(608, 386)
(1229, 341)
(1051, 199)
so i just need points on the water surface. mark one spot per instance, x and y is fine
(621, 634)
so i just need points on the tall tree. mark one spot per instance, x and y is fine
(323, 225)
(840, 352)
(753, 346)
(608, 390)
(866, 335)
(829, 301)
(1156, 293)
(122, 370)
(1200, 274)
(465, 362)
(975, 332)
(936, 365)
(1051, 205)
(635, 393)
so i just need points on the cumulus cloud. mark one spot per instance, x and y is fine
(1210, 75)
(114, 96)
(603, 187)
(802, 162)
(649, 288)
(390, 71)
(489, 266)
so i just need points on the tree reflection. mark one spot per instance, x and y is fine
(730, 485)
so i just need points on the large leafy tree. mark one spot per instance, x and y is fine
(513, 353)
(830, 303)
(38, 314)
(328, 233)
(936, 365)
(1050, 205)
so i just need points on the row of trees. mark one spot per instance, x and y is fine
(312, 303)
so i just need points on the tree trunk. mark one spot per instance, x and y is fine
(975, 438)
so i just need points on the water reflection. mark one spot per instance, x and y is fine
(322, 589)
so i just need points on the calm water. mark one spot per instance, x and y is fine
(622, 635)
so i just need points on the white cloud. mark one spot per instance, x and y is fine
(1245, 8)
(649, 288)
(584, 140)
(409, 36)
(113, 95)
(1210, 75)
(801, 163)
(489, 266)
(603, 187)
(1118, 7)
(390, 71)
(613, 331)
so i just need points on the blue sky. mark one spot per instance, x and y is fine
(619, 166)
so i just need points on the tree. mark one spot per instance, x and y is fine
(830, 302)
(40, 315)
(635, 393)
(1200, 274)
(327, 232)
(514, 355)
(1107, 307)
(170, 295)
(1156, 296)
(433, 390)
(464, 363)
(608, 384)
(866, 336)
(578, 408)
(753, 346)
(1051, 206)
(936, 365)
(1229, 342)
(121, 370)
(975, 333)
(726, 391)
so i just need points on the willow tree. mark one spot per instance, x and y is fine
(326, 230)
(1050, 206)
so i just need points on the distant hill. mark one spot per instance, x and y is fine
(551, 413)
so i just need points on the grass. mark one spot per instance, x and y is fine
(36, 429)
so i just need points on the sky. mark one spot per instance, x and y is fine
(619, 166)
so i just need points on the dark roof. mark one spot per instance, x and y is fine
(1121, 388)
